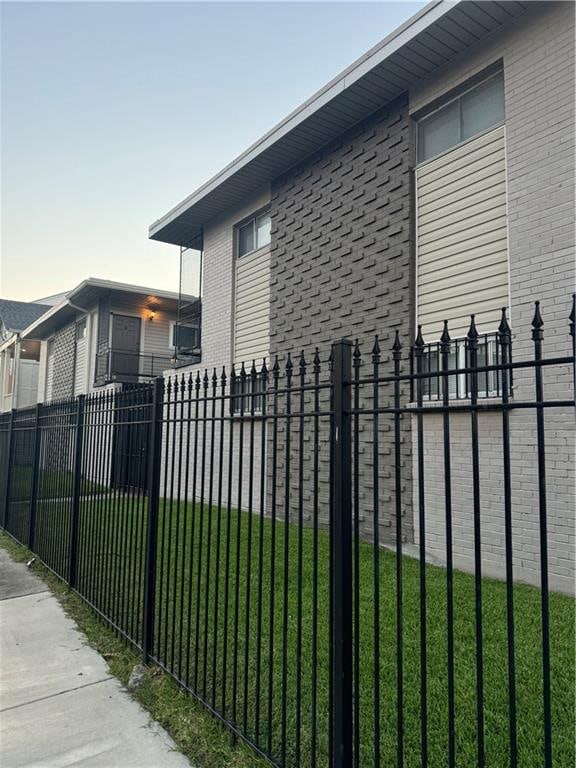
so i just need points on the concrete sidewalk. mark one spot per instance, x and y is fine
(59, 706)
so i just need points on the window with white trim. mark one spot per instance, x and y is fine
(470, 114)
(247, 395)
(489, 383)
(254, 233)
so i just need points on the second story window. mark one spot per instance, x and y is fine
(470, 114)
(254, 234)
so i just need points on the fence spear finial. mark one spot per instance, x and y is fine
(376, 350)
(316, 361)
(504, 328)
(397, 346)
(445, 338)
(356, 355)
(419, 342)
(472, 334)
(537, 323)
(302, 363)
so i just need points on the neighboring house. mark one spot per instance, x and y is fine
(107, 333)
(53, 299)
(19, 360)
(433, 178)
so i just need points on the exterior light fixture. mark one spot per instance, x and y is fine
(151, 315)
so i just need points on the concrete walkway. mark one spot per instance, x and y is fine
(59, 706)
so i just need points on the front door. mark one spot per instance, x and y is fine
(125, 361)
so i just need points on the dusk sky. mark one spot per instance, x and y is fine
(114, 112)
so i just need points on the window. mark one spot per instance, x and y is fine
(467, 115)
(247, 395)
(254, 234)
(459, 384)
(81, 329)
(184, 338)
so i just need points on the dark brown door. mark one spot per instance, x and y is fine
(125, 348)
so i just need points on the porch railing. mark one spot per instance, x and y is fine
(117, 365)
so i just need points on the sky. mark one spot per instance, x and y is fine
(113, 112)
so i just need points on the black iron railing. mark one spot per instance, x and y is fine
(249, 532)
(117, 365)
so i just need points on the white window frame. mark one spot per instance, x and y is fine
(447, 102)
(251, 220)
(461, 392)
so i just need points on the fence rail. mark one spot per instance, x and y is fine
(267, 537)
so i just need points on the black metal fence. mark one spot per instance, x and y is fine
(250, 531)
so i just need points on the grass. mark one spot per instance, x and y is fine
(51, 483)
(215, 637)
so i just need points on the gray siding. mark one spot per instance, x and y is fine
(63, 372)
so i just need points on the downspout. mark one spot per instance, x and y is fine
(89, 321)
(16, 371)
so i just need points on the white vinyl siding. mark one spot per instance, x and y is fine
(252, 307)
(80, 367)
(462, 250)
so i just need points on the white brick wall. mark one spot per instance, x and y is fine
(538, 58)
(217, 345)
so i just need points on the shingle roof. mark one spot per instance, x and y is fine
(17, 315)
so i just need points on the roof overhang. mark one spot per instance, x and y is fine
(9, 342)
(83, 298)
(431, 38)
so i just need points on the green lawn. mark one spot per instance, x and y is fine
(51, 483)
(225, 652)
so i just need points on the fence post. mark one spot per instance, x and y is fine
(342, 648)
(154, 463)
(73, 548)
(35, 477)
(8, 470)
